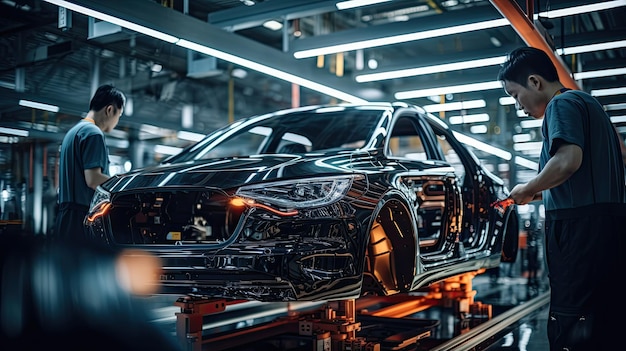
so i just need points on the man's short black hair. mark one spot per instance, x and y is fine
(522, 62)
(107, 95)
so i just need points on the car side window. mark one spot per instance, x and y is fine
(406, 141)
(451, 156)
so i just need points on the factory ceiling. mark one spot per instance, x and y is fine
(58, 57)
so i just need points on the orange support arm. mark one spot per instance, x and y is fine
(527, 30)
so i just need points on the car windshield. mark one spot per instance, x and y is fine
(317, 130)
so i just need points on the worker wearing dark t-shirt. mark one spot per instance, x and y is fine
(581, 183)
(84, 161)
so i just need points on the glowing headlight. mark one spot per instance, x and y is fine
(99, 197)
(301, 193)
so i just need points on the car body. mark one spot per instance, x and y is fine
(313, 203)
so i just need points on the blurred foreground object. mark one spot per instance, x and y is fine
(76, 297)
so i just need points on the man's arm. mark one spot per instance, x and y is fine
(95, 177)
(557, 170)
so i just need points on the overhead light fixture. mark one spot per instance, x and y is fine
(453, 89)
(480, 129)
(615, 107)
(344, 5)
(455, 106)
(12, 131)
(211, 52)
(600, 73)
(400, 38)
(39, 105)
(489, 61)
(532, 123)
(577, 10)
(189, 136)
(272, 25)
(503, 154)
(111, 19)
(433, 33)
(239, 73)
(167, 150)
(618, 119)
(522, 138)
(506, 100)
(156, 68)
(526, 163)
(592, 47)
(186, 116)
(418, 71)
(467, 140)
(608, 92)
(129, 107)
(533, 145)
(481, 117)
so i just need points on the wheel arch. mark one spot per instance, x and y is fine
(392, 238)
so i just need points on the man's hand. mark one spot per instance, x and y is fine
(521, 194)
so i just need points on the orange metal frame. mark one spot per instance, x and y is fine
(524, 26)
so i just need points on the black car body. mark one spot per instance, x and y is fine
(313, 203)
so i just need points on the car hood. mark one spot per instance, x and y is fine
(237, 171)
(229, 173)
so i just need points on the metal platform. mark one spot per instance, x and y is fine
(446, 316)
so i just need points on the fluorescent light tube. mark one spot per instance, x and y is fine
(533, 145)
(454, 106)
(167, 150)
(618, 119)
(482, 146)
(608, 92)
(39, 105)
(600, 73)
(418, 71)
(521, 138)
(401, 38)
(526, 163)
(592, 47)
(577, 10)
(479, 129)
(615, 107)
(531, 123)
(111, 19)
(343, 5)
(410, 94)
(506, 100)
(11, 131)
(189, 136)
(481, 117)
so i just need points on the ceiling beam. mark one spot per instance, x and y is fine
(529, 33)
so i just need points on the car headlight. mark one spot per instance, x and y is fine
(100, 205)
(99, 197)
(300, 193)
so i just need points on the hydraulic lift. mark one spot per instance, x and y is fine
(369, 323)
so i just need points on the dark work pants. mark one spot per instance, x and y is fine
(586, 259)
(69, 223)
